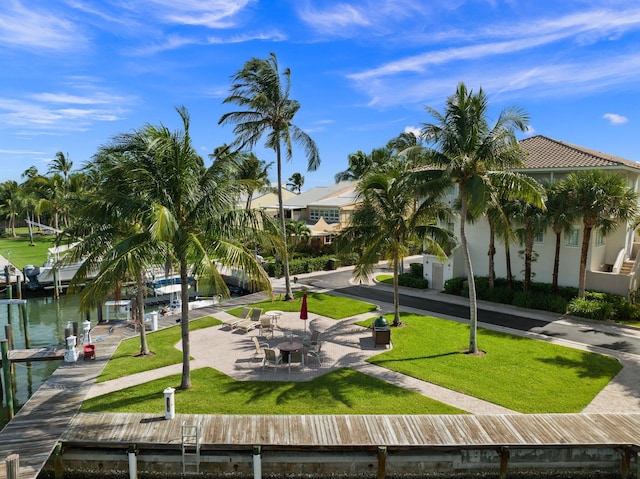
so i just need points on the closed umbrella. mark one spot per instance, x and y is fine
(304, 315)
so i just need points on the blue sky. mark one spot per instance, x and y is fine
(77, 72)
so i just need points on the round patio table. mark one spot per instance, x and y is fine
(287, 347)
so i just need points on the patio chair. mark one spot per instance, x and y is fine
(260, 347)
(313, 340)
(296, 357)
(272, 357)
(266, 325)
(315, 352)
(252, 323)
(233, 322)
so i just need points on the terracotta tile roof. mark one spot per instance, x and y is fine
(544, 153)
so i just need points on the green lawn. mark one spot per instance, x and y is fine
(22, 253)
(126, 360)
(344, 391)
(518, 373)
(522, 374)
(335, 307)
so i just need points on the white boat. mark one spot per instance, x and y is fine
(43, 276)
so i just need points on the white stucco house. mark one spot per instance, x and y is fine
(611, 265)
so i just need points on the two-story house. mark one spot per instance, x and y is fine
(611, 264)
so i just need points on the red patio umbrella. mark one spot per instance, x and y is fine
(303, 311)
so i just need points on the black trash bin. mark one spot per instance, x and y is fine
(381, 331)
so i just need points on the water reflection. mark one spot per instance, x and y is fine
(47, 319)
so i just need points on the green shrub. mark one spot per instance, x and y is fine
(417, 270)
(454, 286)
(590, 308)
(407, 279)
(274, 270)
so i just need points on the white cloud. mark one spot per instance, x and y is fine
(37, 29)
(207, 13)
(413, 129)
(615, 119)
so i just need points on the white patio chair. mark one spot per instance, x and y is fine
(271, 357)
(260, 347)
(315, 352)
(296, 357)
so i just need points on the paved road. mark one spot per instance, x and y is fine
(604, 336)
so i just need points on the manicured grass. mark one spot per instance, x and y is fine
(385, 279)
(522, 374)
(126, 361)
(344, 391)
(335, 307)
(22, 253)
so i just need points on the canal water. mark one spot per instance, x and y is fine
(47, 320)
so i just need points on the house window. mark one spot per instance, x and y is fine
(329, 215)
(599, 238)
(539, 238)
(572, 237)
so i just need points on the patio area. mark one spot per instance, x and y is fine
(232, 351)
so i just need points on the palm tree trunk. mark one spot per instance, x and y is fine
(144, 348)
(288, 296)
(507, 254)
(396, 289)
(473, 304)
(492, 254)
(556, 263)
(184, 325)
(584, 253)
(528, 254)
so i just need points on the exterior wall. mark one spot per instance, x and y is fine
(600, 257)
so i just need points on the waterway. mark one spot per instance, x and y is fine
(47, 320)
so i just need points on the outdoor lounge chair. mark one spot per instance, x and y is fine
(233, 322)
(271, 356)
(251, 323)
(260, 347)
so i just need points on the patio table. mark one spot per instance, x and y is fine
(287, 347)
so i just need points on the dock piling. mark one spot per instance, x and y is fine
(13, 466)
(257, 462)
(6, 371)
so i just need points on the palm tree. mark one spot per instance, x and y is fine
(61, 164)
(10, 203)
(263, 91)
(359, 163)
(253, 175)
(295, 182)
(603, 201)
(474, 157)
(389, 194)
(560, 218)
(297, 231)
(175, 207)
(532, 221)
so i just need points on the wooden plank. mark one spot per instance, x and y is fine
(42, 354)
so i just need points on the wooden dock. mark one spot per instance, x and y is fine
(42, 354)
(463, 431)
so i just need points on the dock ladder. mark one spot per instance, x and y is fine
(190, 447)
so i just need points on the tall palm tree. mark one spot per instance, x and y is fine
(389, 195)
(603, 201)
(253, 175)
(474, 157)
(176, 207)
(61, 164)
(10, 204)
(532, 221)
(560, 218)
(296, 181)
(263, 91)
